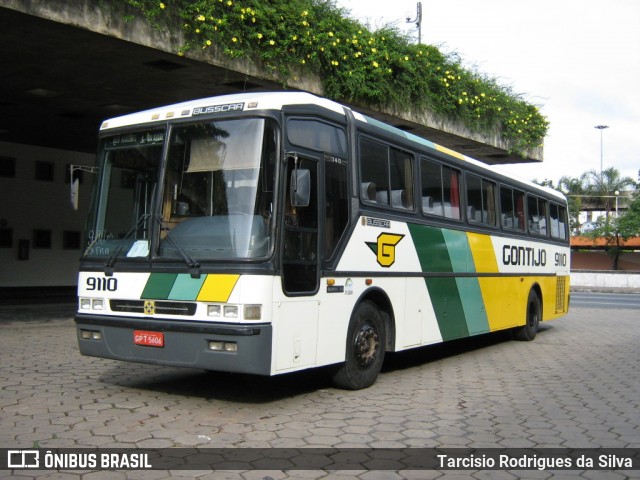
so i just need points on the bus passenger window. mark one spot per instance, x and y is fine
(481, 204)
(440, 190)
(558, 217)
(387, 170)
(374, 172)
(511, 209)
(537, 215)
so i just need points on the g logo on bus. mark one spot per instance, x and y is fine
(385, 248)
(149, 307)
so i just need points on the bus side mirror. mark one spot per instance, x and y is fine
(300, 187)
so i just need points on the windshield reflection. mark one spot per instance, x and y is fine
(216, 202)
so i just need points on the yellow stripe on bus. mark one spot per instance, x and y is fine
(484, 257)
(217, 288)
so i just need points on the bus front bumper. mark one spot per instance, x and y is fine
(239, 348)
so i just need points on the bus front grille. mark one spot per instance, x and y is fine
(149, 307)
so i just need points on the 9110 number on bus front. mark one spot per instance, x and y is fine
(102, 284)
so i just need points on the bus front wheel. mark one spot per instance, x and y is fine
(365, 348)
(534, 314)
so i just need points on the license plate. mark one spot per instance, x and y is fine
(148, 339)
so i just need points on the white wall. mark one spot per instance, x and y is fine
(605, 280)
(27, 204)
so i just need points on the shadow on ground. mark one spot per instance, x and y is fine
(253, 389)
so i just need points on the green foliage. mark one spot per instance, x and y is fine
(613, 229)
(380, 67)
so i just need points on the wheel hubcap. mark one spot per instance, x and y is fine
(366, 346)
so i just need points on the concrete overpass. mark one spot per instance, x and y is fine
(68, 65)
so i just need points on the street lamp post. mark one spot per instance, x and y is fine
(417, 21)
(601, 128)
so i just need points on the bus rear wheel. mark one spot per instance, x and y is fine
(534, 315)
(365, 349)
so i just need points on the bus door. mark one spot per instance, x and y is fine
(300, 251)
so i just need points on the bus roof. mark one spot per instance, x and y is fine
(276, 101)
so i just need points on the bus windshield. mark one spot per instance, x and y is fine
(216, 197)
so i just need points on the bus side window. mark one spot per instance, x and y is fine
(481, 204)
(374, 172)
(537, 215)
(558, 217)
(389, 172)
(440, 190)
(511, 209)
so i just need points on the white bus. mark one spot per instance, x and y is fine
(268, 233)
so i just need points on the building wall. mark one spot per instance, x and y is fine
(40, 233)
(600, 260)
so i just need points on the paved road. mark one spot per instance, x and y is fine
(577, 385)
(605, 300)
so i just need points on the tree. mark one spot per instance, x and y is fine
(604, 186)
(575, 189)
(615, 230)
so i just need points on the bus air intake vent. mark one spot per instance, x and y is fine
(159, 307)
(561, 290)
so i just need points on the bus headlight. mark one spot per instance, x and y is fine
(97, 304)
(91, 303)
(252, 312)
(231, 311)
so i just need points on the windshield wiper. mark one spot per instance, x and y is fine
(111, 261)
(191, 263)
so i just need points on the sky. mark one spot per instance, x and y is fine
(578, 60)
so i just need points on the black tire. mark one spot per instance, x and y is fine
(534, 315)
(366, 342)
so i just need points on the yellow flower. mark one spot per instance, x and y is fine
(305, 13)
(374, 50)
(331, 34)
(162, 6)
(272, 42)
(406, 58)
(259, 36)
(229, 3)
(208, 42)
(375, 64)
(201, 18)
(234, 39)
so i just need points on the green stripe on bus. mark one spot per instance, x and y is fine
(431, 248)
(461, 257)
(159, 286)
(434, 255)
(459, 251)
(447, 306)
(473, 305)
(186, 288)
